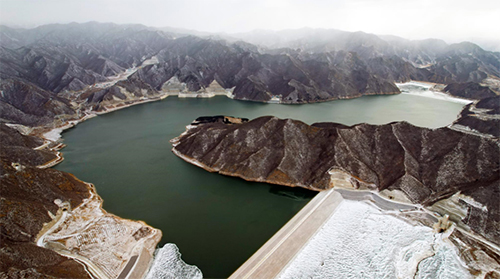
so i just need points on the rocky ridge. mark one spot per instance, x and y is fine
(462, 62)
(24, 103)
(469, 90)
(80, 63)
(481, 118)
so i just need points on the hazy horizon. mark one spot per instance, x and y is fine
(450, 20)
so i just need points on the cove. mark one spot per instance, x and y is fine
(217, 222)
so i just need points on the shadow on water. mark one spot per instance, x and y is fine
(294, 193)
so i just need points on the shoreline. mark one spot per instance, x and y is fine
(56, 135)
(209, 169)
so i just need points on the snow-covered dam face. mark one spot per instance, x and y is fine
(360, 241)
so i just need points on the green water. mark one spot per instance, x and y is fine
(218, 222)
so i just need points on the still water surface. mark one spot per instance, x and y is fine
(218, 222)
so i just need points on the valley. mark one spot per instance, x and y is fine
(350, 110)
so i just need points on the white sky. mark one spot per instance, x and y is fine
(451, 20)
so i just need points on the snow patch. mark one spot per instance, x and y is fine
(470, 201)
(54, 134)
(151, 61)
(168, 264)
(445, 263)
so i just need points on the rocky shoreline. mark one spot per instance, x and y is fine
(54, 211)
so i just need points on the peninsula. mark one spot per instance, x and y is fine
(451, 171)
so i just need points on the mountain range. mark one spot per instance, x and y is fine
(65, 61)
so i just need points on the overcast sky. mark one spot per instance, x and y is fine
(451, 20)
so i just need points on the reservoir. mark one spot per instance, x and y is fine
(217, 222)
